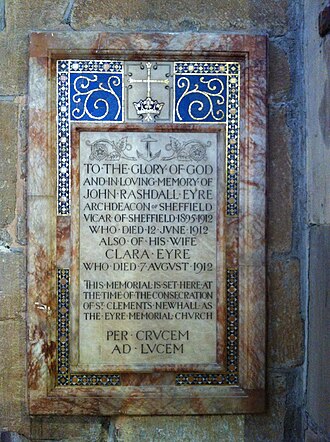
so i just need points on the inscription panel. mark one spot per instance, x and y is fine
(146, 205)
(148, 249)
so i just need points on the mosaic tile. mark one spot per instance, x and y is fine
(200, 98)
(64, 376)
(148, 91)
(96, 97)
(63, 139)
(232, 154)
(87, 90)
(179, 92)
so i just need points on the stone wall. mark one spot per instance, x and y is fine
(317, 81)
(282, 21)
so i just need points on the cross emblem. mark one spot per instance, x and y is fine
(148, 108)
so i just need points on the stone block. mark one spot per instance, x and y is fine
(177, 429)
(13, 403)
(280, 188)
(12, 285)
(8, 161)
(318, 381)
(177, 16)
(10, 436)
(279, 74)
(317, 97)
(285, 330)
(22, 17)
(68, 428)
(2, 15)
(310, 436)
(269, 426)
(39, 14)
(13, 56)
(5, 238)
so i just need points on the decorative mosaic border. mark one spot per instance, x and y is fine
(63, 139)
(230, 71)
(66, 378)
(232, 148)
(229, 75)
(104, 80)
(83, 85)
(230, 377)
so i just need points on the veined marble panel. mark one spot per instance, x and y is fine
(148, 87)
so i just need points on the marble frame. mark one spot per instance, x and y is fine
(245, 233)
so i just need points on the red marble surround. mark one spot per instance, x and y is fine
(50, 247)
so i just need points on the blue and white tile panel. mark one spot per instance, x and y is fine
(87, 90)
(96, 90)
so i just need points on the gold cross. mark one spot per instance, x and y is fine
(148, 80)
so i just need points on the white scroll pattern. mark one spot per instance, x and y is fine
(83, 92)
(206, 101)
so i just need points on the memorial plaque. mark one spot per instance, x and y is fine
(146, 219)
(148, 248)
